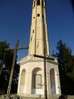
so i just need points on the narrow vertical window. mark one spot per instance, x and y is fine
(37, 44)
(42, 3)
(33, 31)
(38, 2)
(33, 4)
(31, 38)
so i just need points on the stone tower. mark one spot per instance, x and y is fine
(38, 29)
(31, 75)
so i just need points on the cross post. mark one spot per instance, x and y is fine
(12, 70)
(45, 78)
(1, 66)
(13, 63)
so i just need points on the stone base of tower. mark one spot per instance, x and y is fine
(31, 77)
(34, 96)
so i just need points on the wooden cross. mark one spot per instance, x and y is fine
(13, 63)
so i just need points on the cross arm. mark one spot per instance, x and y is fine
(20, 48)
(43, 57)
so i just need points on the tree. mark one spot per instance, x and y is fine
(6, 58)
(66, 67)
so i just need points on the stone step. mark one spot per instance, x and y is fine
(19, 97)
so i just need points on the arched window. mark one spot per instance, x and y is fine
(37, 78)
(52, 81)
(23, 74)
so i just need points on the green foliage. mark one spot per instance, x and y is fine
(6, 57)
(66, 67)
(70, 72)
(3, 45)
(65, 58)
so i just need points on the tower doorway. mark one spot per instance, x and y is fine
(36, 80)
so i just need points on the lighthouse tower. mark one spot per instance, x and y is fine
(31, 75)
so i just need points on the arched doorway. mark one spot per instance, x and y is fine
(36, 80)
(52, 81)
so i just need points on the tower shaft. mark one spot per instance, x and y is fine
(38, 33)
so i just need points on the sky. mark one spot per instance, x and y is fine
(15, 22)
